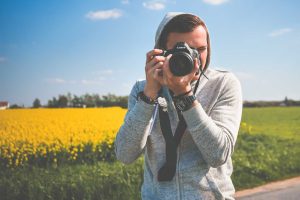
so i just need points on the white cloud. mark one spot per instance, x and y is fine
(280, 32)
(56, 80)
(2, 59)
(104, 14)
(91, 82)
(104, 72)
(72, 82)
(215, 2)
(97, 81)
(222, 68)
(125, 1)
(154, 5)
(99, 77)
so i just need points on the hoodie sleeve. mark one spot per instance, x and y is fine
(215, 135)
(132, 136)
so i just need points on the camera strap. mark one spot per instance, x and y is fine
(167, 171)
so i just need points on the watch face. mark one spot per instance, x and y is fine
(180, 104)
(184, 102)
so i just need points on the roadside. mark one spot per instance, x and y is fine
(287, 189)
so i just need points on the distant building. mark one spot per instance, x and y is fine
(282, 104)
(4, 105)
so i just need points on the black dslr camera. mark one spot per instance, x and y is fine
(182, 61)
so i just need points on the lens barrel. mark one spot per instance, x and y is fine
(181, 63)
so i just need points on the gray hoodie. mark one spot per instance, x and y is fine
(204, 164)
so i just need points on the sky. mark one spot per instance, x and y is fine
(54, 47)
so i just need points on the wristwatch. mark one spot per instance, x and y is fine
(143, 97)
(185, 102)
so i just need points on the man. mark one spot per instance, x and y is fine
(186, 125)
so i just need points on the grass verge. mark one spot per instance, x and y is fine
(257, 159)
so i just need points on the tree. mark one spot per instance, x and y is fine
(89, 100)
(77, 101)
(123, 102)
(286, 101)
(62, 101)
(50, 104)
(15, 106)
(98, 101)
(69, 97)
(36, 103)
(54, 102)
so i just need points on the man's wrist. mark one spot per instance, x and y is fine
(146, 99)
(184, 103)
(152, 94)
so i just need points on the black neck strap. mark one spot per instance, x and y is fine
(167, 171)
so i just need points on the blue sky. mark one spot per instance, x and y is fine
(96, 46)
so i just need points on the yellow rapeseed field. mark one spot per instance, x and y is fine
(46, 136)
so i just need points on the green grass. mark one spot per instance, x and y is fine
(99, 181)
(260, 158)
(274, 121)
(268, 146)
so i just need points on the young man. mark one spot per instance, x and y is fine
(186, 125)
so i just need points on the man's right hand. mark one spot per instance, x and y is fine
(153, 70)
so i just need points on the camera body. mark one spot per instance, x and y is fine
(182, 61)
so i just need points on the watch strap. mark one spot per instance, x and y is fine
(185, 102)
(146, 99)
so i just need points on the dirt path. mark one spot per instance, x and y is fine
(287, 189)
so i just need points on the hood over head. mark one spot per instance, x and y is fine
(168, 17)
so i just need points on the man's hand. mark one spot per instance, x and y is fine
(153, 70)
(178, 84)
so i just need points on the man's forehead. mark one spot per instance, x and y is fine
(196, 38)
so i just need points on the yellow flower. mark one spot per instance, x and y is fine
(38, 133)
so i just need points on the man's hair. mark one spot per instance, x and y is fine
(183, 23)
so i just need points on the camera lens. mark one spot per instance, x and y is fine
(181, 64)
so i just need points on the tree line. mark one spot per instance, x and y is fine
(285, 102)
(84, 101)
(109, 100)
(87, 101)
